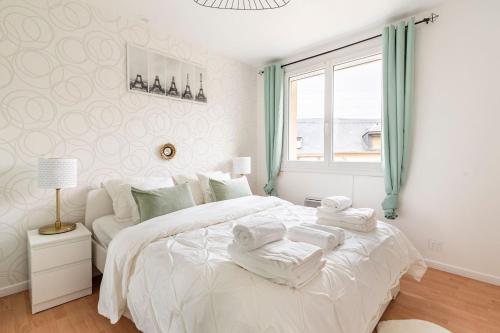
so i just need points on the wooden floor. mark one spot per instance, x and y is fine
(459, 304)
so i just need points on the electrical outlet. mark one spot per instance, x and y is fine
(435, 245)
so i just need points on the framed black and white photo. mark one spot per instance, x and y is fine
(199, 84)
(160, 75)
(173, 77)
(157, 73)
(187, 75)
(137, 59)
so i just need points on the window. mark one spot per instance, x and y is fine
(307, 117)
(334, 114)
(357, 110)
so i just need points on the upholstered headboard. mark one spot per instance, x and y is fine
(99, 204)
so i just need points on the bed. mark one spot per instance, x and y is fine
(173, 274)
(98, 205)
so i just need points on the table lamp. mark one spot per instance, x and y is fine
(242, 165)
(57, 173)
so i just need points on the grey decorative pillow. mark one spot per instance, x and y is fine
(230, 189)
(161, 201)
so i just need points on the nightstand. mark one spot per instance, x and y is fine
(60, 267)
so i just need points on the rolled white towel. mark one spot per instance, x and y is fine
(368, 226)
(323, 239)
(253, 233)
(284, 262)
(338, 232)
(349, 215)
(337, 202)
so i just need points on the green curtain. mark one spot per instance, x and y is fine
(398, 70)
(273, 99)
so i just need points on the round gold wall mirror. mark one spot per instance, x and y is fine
(167, 151)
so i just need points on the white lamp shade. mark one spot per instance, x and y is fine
(242, 165)
(57, 172)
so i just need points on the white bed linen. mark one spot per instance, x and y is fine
(105, 228)
(175, 275)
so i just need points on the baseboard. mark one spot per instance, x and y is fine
(14, 288)
(488, 278)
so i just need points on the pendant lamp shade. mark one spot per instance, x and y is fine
(243, 4)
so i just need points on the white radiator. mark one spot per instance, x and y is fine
(312, 202)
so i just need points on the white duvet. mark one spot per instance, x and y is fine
(174, 275)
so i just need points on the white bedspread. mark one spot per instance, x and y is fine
(175, 275)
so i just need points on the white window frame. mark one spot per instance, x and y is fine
(328, 165)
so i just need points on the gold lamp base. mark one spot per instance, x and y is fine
(54, 229)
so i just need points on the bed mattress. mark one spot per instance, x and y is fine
(105, 228)
(175, 275)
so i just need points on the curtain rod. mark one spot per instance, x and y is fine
(426, 20)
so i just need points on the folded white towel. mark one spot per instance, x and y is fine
(338, 232)
(284, 262)
(327, 241)
(349, 215)
(253, 233)
(337, 203)
(368, 226)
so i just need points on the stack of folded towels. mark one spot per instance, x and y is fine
(260, 246)
(337, 211)
(325, 237)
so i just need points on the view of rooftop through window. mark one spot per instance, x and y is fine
(357, 110)
(306, 117)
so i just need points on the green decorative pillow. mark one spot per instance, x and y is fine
(161, 201)
(230, 189)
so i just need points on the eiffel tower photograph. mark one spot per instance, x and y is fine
(174, 85)
(139, 83)
(186, 94)
(157, 73)
(156, 87)
(200, 96)
(160, 75)
(137, 69)
(172, 91)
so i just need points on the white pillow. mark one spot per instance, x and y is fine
(120, 192)
(194, 184)
(208, 195)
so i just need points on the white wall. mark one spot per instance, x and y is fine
(453, 188)
(63, 93)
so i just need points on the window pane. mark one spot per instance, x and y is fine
(306, 117)
(357, 107)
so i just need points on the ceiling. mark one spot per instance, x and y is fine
(258, 37)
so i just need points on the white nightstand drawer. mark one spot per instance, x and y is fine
(60, 267)
(60, 281)
(48, 257)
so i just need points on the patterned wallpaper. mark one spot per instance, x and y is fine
(63, 93)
